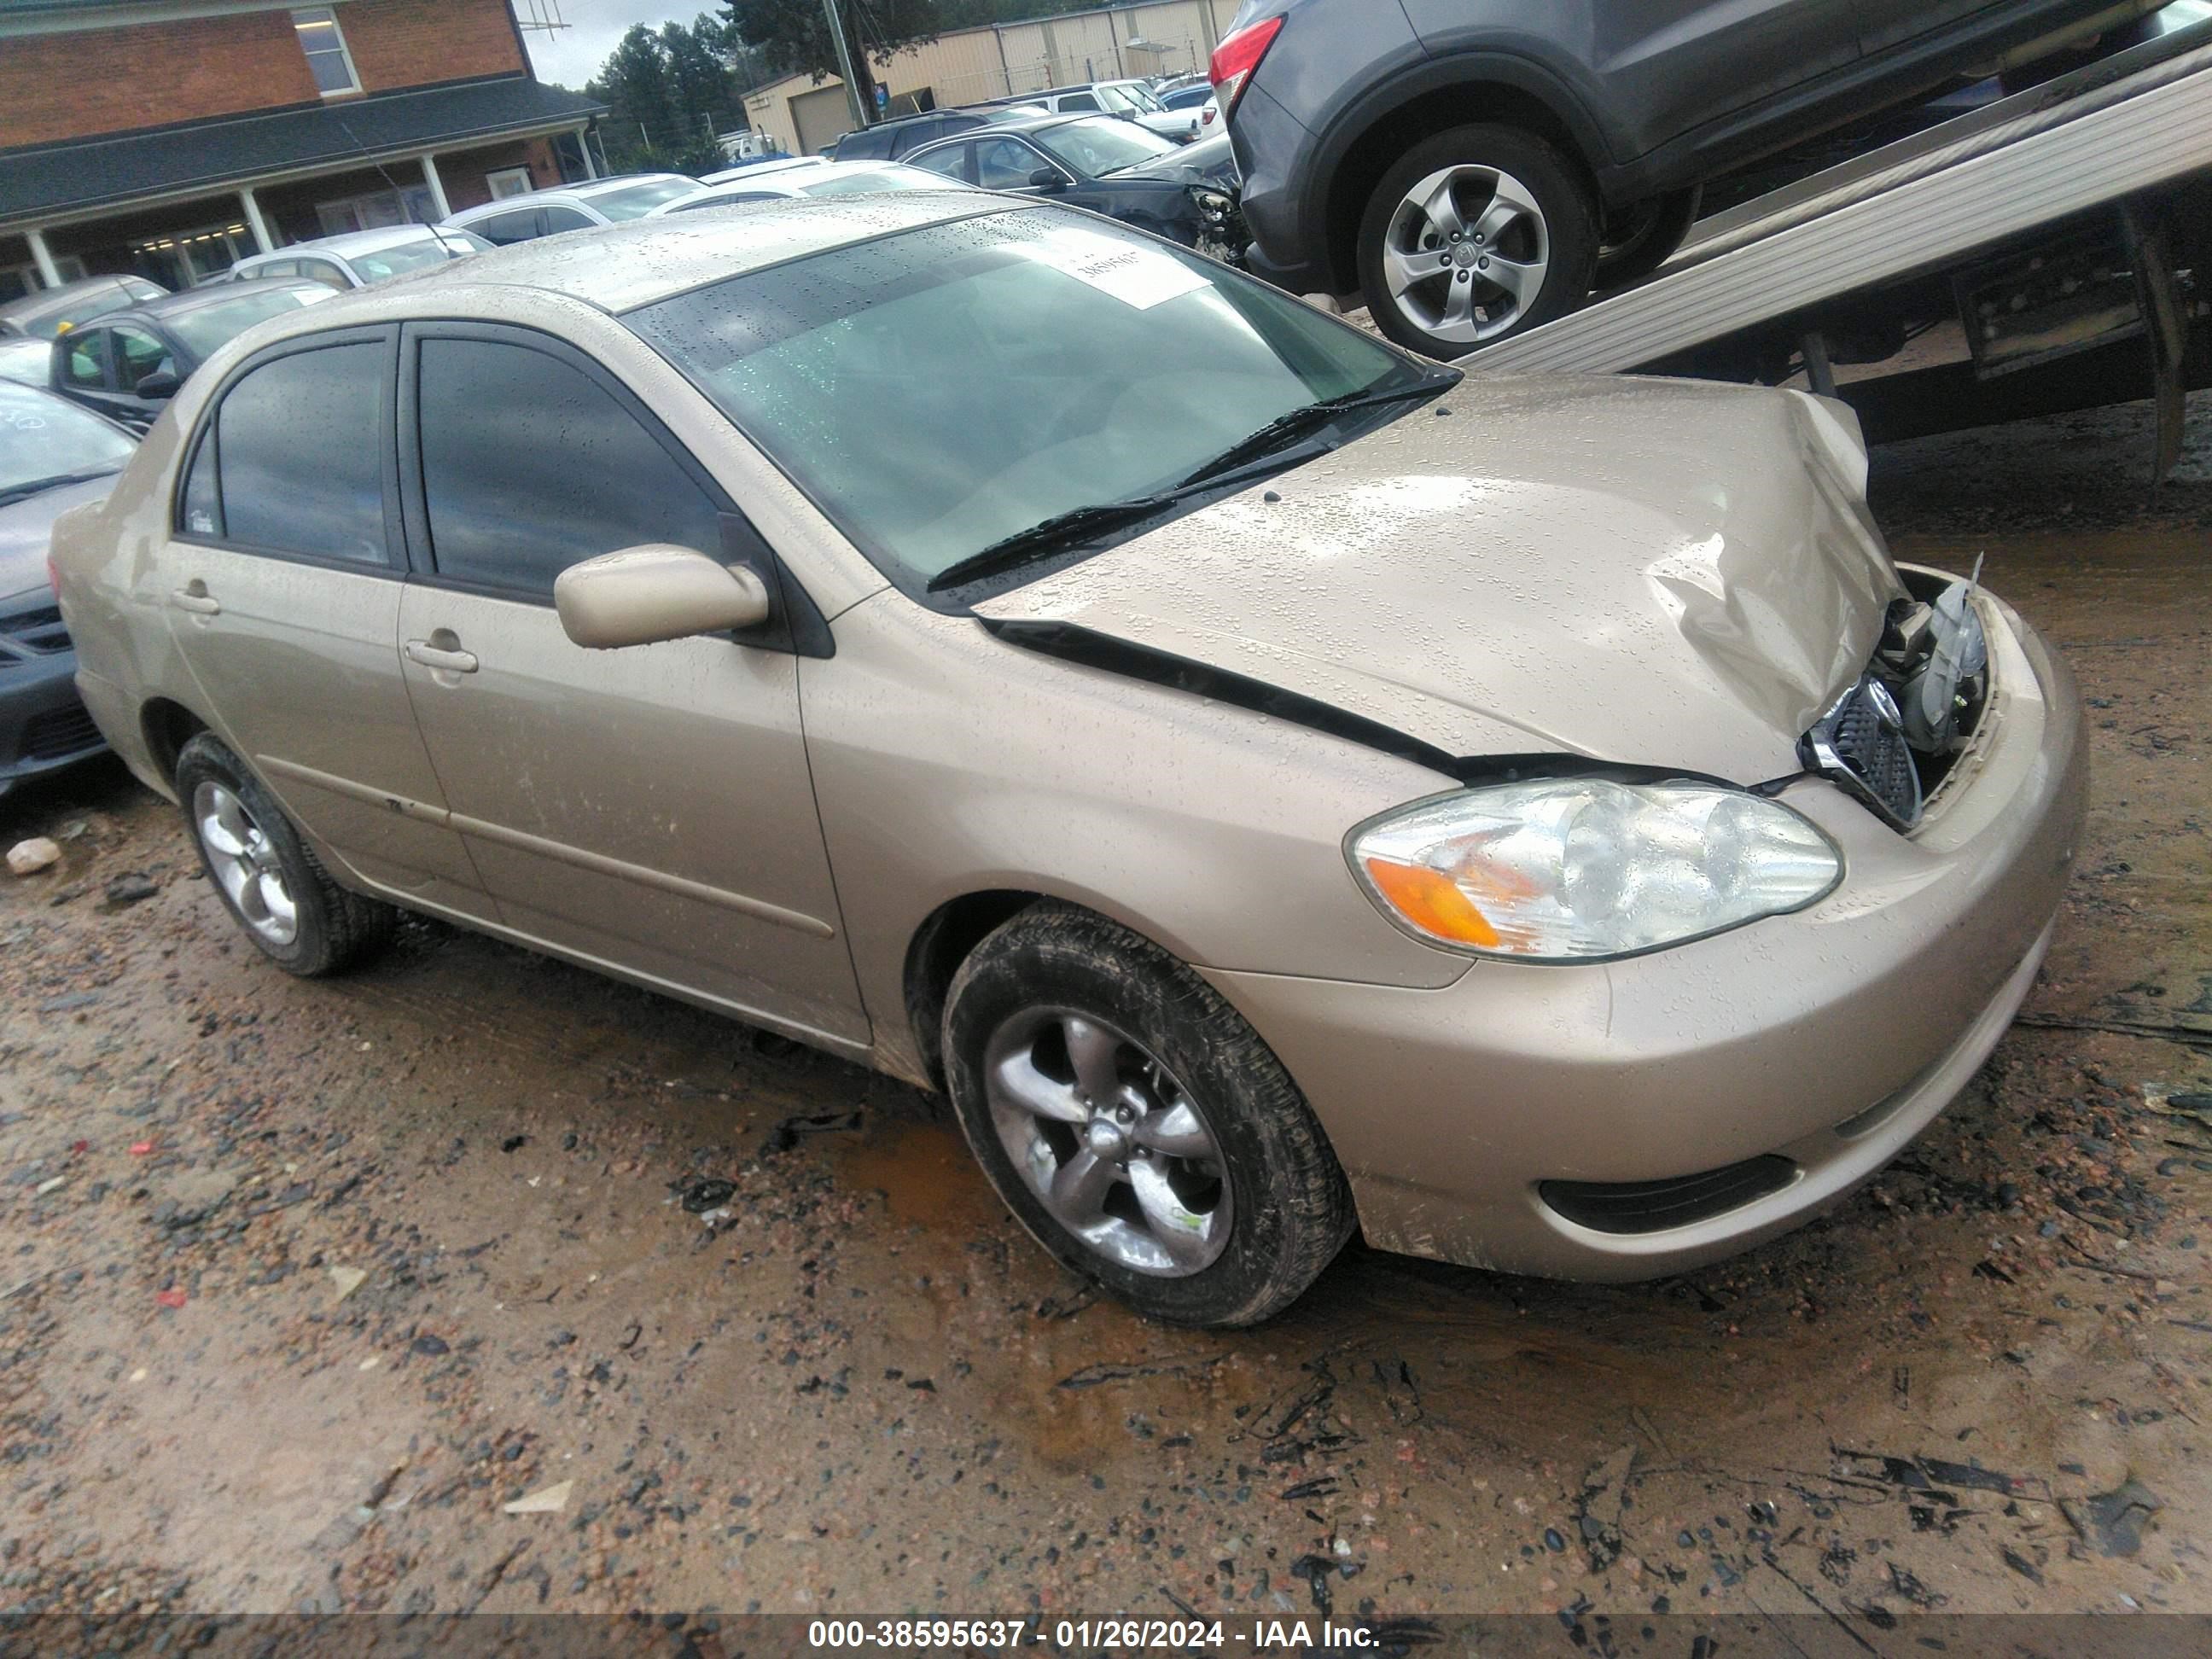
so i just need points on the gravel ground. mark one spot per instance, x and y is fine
(303, 1284)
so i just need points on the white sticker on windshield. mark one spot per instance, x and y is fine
(1137, 276)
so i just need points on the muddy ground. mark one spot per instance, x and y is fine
(862, 1389)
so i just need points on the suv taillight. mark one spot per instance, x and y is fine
(1234, 59)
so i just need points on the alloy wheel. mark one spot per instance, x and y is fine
(1113, 1147)
(246, 864)
(1466, 254)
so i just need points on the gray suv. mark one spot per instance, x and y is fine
(1475, 167)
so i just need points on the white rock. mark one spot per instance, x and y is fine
(546, 1500)
(27, 858)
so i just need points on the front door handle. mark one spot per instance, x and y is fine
(432, 656)
(196, 598)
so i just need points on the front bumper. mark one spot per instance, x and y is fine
(43, 723)
(1829, 1038)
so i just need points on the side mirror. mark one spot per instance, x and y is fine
(1048, 179)
(644, 595)
(161, 383)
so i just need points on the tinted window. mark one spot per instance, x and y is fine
(201, 512)
(322, 271)
(952, 162)
(301, 469)
(84, 361)
(504, 229)
(1006, 164)
(1076, 101)
(635, 201)
(137, 353)
(558, 219)
(529, 466)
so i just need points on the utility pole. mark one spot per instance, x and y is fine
(862, 116)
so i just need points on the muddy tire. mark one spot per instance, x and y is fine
(1476, 235)
(271, 881)
(1136, 1125)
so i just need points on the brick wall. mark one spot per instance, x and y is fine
(462, 171)
(73, 85)
(55, 87)
(407, 43)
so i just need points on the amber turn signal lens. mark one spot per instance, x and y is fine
(1433, 902)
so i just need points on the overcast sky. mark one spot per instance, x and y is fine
(572, 56)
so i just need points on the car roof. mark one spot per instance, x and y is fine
(194, 299)
(583, 192)
(618, 267)
(39, 302)
(761, 169)
(1039, 122)
(350, 241)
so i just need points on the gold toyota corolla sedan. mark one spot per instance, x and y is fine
(1270, 785)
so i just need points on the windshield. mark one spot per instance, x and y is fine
(1141, 96)
(940, 391)
(206, 329)
(406, 256)
(635, 201)
(1097, 147)
(43, 437)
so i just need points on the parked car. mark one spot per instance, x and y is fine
(26, 360)
(361, 256)
(51, 311)
(1110, 167)
(1129, 100)
(1042, 663)
(1475, 167)
(830, 178)
(1198, 102)
(53, 456)
(767, 169)
(894, 141)
(575, 207)
(128, 364)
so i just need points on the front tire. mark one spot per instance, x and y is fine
(1136, 1125)
(1476, 234)
(1644, 238)
(272, 883)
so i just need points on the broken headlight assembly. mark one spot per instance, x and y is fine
(1562, 870)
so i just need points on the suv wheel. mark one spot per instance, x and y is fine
(1643, 238)
(1476, 234)
(1136, 1125)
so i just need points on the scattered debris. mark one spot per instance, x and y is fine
(27, 858)
(171, 1298)
(546, 1500)
(131, 888)
(2112, 1523)
(788, 1133)
(346, 1282)
(704, 1193)
(1095, 1376)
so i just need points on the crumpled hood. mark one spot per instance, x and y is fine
(1645, 572)
(1208, 161)
(26, 530)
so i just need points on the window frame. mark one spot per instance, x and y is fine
(116, 357)
(962, 150)
(795, 626)
(303, 16)
(102, 342)
(393, 566)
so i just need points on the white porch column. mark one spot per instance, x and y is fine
(263, 241)
(43, 258)
(437, 186)
(583, 143)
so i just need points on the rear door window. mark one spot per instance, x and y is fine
(952, 161)
(139, 354)
(530, 465)
(558, 219)
(84, 360)
(300, 467)
(503, 229)
(1006, 164)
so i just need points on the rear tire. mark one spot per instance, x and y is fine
(270, 880)
(1136, 1125)
(1475, 235)
(1644, 237)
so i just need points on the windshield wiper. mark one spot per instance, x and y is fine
(40, 486)
(1286, 429)
(1058, 532)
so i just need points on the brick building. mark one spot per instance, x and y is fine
(173, 138)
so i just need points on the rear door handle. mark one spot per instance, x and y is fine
(197, 599)
(452, 662)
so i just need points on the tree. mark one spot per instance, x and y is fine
(796, 32)
(667, 94)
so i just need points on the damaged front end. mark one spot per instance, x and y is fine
(1892, 740)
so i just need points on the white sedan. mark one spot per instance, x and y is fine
(822, 179)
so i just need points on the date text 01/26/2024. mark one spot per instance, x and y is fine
(1258, 1636)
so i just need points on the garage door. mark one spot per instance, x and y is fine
(821, 117)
